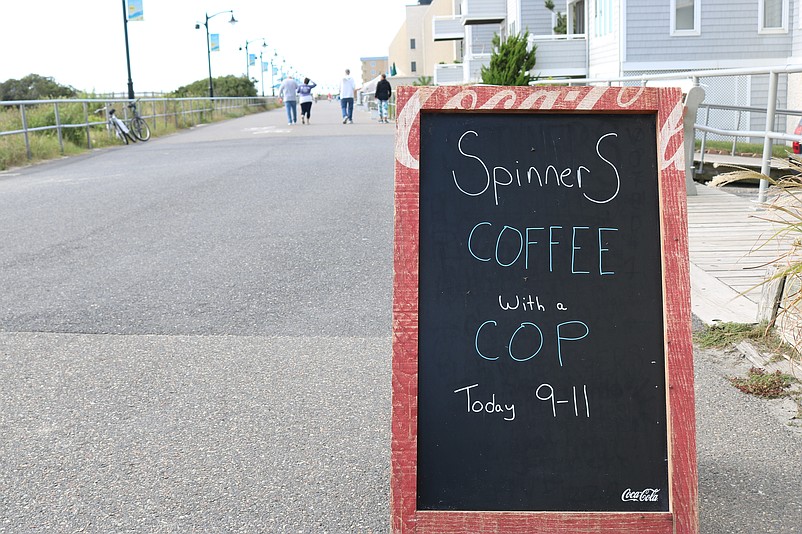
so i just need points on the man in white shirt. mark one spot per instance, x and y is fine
(347, 91)
(288, 90)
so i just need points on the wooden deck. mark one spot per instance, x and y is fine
(728, 255)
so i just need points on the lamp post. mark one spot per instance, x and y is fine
(248, 57)
(208, 48)
(127, 55)
(262, 70)
(272, 72)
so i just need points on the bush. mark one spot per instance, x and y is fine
(223, 86)
(784, 211)
(511, 61)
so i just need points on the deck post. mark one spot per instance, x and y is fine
(771, 110)
(693, 98)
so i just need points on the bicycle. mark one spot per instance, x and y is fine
(137, 124)
(114, 124)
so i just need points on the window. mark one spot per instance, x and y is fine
(603, 18)
(576, 17)
(772, 16)
(686, 17)
(412, 44)
(414, 66)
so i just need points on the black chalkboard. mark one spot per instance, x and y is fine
(541, 381)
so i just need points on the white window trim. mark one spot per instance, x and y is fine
(570, 21)
(768, 31)
(697, 20)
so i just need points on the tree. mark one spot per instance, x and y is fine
(562, 24)
(510, 62)
(34, 87)
(423, 80)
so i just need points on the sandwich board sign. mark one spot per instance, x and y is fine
(542, 354)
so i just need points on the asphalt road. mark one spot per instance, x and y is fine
(195, 337)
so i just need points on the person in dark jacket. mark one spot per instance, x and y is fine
(383, 92)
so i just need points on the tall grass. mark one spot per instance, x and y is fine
(783, 209)
(163, 116)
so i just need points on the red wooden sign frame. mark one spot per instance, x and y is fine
(666, 103)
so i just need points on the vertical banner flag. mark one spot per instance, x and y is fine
(251, 59)
(275, 70)
(214, 42)
(265, 66)
(135, 12)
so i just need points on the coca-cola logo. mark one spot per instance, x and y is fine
(646, 495)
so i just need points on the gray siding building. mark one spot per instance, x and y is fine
(616, 38)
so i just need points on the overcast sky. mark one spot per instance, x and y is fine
(81, 42)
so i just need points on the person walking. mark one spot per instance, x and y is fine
(288, 91)
(383, 92)
(306, 99)
(347, 91)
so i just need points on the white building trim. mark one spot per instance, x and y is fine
(635, 66)
(697, 19)
(761, 10)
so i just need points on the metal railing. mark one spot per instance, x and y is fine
(739, 133)
(692, 77)
(182, 112)
(372, 105)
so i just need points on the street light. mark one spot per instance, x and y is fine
(248, 57)
(208, 48)
(272, 73)
(262, 71)
(127, 55)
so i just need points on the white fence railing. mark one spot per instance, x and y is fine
(183, 112)
(691, 79)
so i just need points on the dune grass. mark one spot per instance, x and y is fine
(164, 117)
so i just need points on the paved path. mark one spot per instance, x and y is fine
(195, 332)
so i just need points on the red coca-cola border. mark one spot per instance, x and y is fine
(667, 104)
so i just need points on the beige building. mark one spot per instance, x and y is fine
(374, 66)
(413, 51)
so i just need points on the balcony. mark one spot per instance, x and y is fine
(473, 67)
(557, 55)
(449, 74)
(560, 55)
(448, 28)
(484, 11)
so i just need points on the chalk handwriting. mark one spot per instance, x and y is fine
(532, 336)
(502, 177)
(534, 246)
(524, 303)
(490, 407)
(579, 399)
